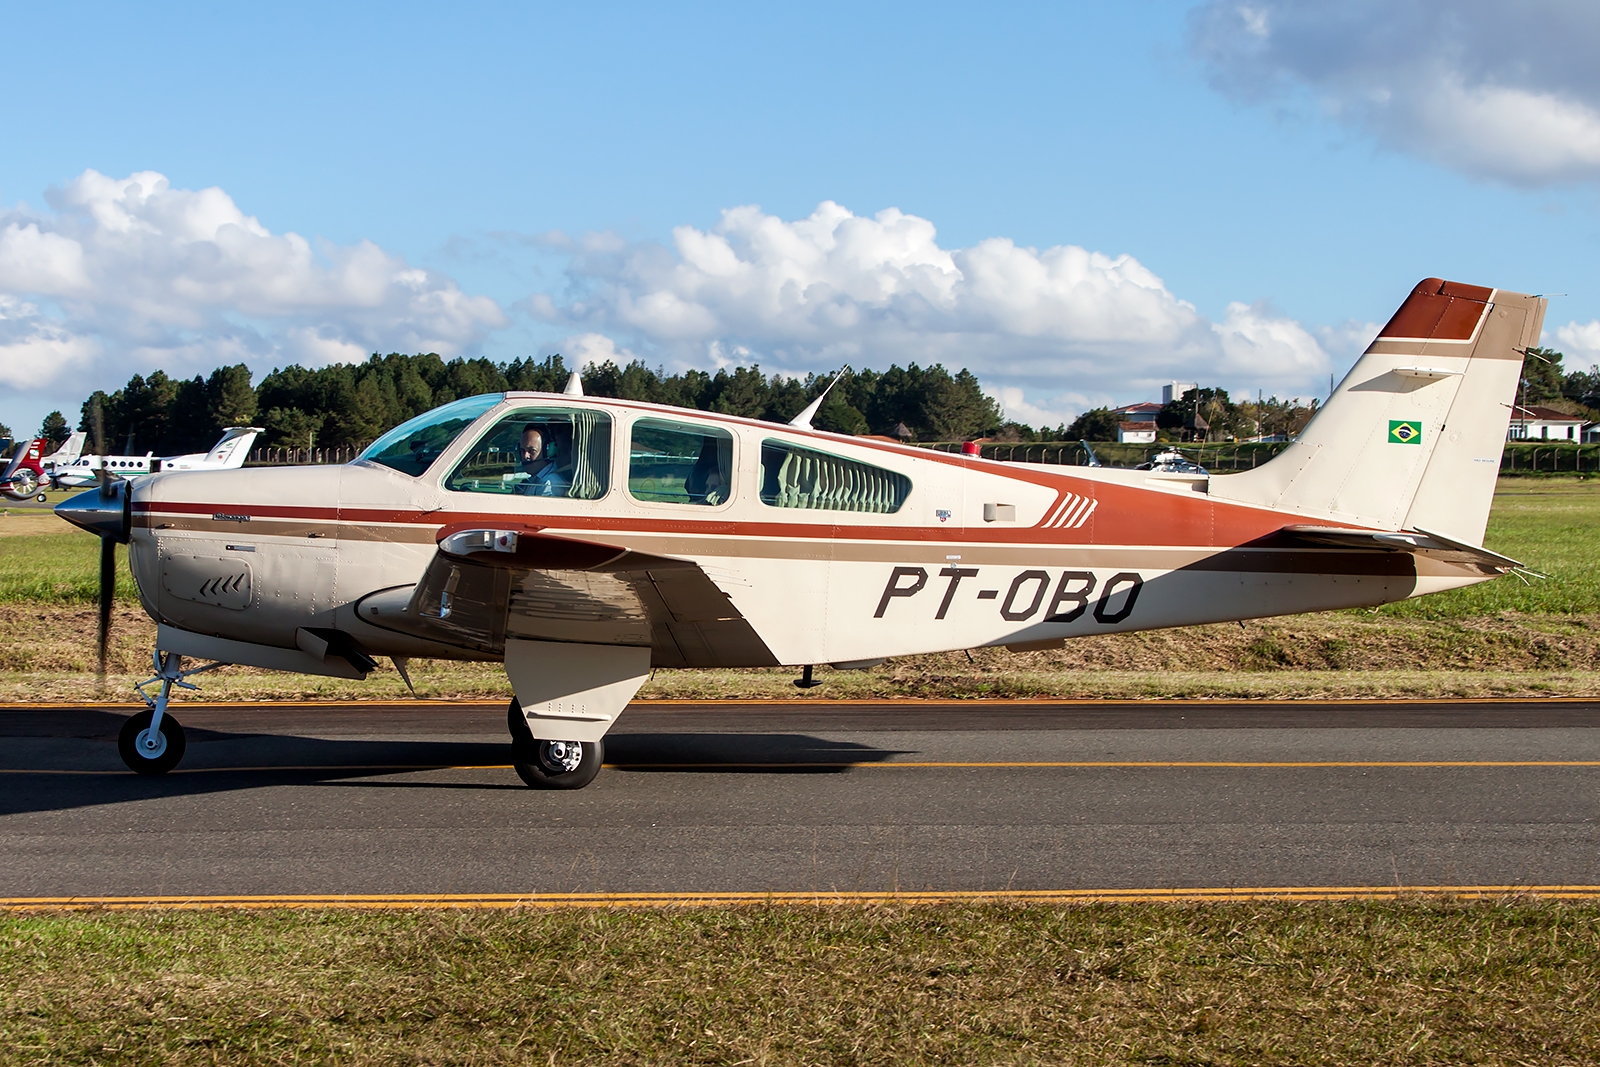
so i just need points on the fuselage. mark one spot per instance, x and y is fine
(829, 549)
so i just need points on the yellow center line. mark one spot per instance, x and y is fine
(823, 897)
(387, 768)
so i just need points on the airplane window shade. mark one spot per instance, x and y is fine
(546, 452)
(794, 477)
(678, 463)
(411, 447)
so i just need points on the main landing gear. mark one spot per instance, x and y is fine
(551, 764)
(152, 741)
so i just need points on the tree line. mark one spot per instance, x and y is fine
(353, 403)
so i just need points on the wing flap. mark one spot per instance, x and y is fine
(485, 585)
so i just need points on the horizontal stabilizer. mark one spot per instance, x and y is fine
(1417, 542)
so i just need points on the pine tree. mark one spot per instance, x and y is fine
(53, 429)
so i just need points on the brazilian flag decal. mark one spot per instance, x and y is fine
(1405, 433)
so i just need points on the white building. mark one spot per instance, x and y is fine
(1534, 423)
(1136, 433)
(1175, 391)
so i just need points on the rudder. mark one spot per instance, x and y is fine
(1412, 438)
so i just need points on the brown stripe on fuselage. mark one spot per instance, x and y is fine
(898, 551)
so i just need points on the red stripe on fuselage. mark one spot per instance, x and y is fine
(1124, 516)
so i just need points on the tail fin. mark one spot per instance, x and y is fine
(234, 447)
(1412, 437)
(70, 449)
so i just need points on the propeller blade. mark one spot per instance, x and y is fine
(108, 589)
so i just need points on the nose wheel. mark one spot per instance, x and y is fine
(149, 747)
(544, 764)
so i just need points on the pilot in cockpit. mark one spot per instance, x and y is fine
(538, 459)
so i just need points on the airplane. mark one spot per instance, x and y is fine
(582, 541)
(230, 452)
(31, 469)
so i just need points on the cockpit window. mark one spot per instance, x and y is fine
(558, 452)
(680, 463)
(411, 447)
(793, 477)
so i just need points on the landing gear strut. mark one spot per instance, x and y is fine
(152, 741)
(551, 764)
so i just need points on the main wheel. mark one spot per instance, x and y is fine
(147, 753)
(551, 764)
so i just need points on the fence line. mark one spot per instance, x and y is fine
(1518, 457)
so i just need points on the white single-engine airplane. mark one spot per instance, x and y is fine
(229, 453)
(583, 541)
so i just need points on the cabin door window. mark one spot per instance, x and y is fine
(680, 463)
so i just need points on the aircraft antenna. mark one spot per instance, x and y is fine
(574, 385)
(809, 412)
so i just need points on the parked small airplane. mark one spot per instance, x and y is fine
(583, 541)
(30, 470)
(230, 451)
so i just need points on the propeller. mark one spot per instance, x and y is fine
(106, 512)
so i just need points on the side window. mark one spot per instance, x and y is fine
(557, 452)
(680, 463)
(793, 477)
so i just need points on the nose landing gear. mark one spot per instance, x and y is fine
(551, 764)
(152, 741)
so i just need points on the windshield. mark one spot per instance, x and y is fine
(411, 447)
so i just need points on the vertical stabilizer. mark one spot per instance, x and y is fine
(234, 447)
(1412, 438)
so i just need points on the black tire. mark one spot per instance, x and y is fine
(529, 757)
(171, 749)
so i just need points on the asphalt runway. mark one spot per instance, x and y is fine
(371, 801)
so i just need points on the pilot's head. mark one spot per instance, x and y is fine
(532, 452)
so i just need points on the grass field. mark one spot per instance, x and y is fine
(1509, 636)
(1264, 983)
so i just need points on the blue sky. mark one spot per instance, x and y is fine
(514, 180)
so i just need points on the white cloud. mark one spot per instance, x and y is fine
(1507, 93)
(588, 349)
(130, 275)
(1051, 331)
(1580, 343)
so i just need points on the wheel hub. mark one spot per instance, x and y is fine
(151, 745)
(561, 757)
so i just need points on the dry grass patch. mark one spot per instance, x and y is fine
(49, 653)
(1414, 983)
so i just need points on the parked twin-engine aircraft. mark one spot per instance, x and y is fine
(583, 541)
(230, 452)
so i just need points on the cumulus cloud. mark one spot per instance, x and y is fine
(130, 274)
(1506, 93)
(1051, 330)
(1580, 343)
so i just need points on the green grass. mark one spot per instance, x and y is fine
(1552, 526)
(58, 568)
(1413, 983)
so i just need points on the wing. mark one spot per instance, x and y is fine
(1416, 542)
(485, 585)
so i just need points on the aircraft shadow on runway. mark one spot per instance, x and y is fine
(220, 761)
